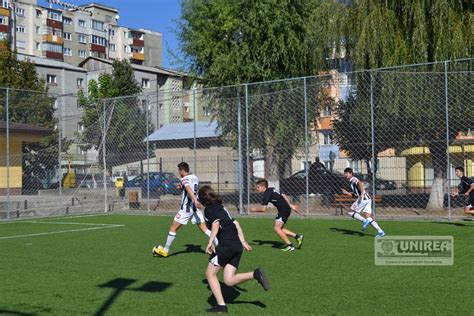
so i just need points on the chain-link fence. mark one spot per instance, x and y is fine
(402, 130)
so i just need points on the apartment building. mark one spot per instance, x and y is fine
(68, 33)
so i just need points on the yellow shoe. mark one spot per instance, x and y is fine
(159, 251)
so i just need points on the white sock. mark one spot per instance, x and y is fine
(356, 216)
(376, 226)
(208, 233)
(169, 241)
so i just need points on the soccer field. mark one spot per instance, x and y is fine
(103, 265)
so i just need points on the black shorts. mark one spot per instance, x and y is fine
(470, 201)
(227, 254)
(283, 216)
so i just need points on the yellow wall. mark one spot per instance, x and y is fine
(16, 145)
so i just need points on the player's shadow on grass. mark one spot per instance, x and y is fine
(348, 232)
(275, 244)
(10, 312)
(230, 294)
(453, 224)
(189, 249)
(120, 285)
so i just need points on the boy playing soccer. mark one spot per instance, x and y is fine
(284, 207)
(466, 188)
(227, 254)
(362, 204)
(189, 210)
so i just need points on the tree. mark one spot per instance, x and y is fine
(387, 33)
(29, 103)
(122, 119)
(233, 42)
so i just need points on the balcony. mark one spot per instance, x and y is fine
(52, 39)
(138, 42)
(138, 56)
(54, 23)
(4, 11)
(3, 28)
(98, 48)
(53, 55)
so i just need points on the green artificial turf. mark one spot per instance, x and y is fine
(111, 270)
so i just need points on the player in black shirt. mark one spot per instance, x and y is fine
(229, 250)
(284, 207)
(466, 188)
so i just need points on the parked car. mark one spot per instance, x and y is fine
(320, 181)
(160, 183)
(380, 183)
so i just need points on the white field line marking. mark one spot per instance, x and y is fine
(61, 232)
(67, 223)
(52, 219)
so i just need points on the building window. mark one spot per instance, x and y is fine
(81, 23)
(112, 47)
(51, 80)
(205, 111)
(82, 38)
(3, 20)
(54, 16)
(38, 13)
(80, 82)
(327, 111)
(67, 51)
(145, 83)
(97, 25)
(186, 109)
(20, 44)
(327, 139)
(67, 21)
(67, 36)
(108, 18)
(38, 46)
(5, 4)
(98, 40)
(20, 11)
(354, 164)
(80, 127)
(161, 106)
(52, 48)
(38, 30)
(20, 29)
(82, 53)
(111, 32)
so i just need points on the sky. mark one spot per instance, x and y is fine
(155, 15)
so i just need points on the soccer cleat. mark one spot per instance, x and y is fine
(365, 224)
(218, 309)
(299, 240)
(380, 235)
(159, 251)
(289, 248)
(261, 278)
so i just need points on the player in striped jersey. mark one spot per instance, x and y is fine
(189, 210)
(362, 204)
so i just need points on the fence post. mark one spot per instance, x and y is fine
(448, 162)
(372, 131)
(8, 153)
(103, 157)
(239, 138)
(60, 186)
(147, 109)
(194, 130)
(247, 151)
(306, 148)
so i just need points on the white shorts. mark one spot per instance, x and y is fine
(183, 217)
(364, 206)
